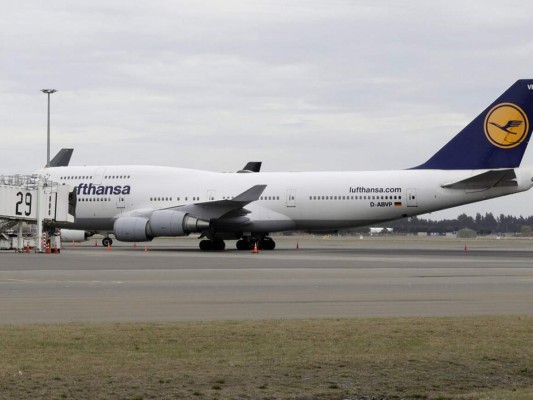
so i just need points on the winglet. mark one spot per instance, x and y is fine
(62, 158)
(250, 195)
(251, 166)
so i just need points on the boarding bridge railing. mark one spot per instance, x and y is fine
(35, 199)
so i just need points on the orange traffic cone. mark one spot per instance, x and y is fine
(108, 247)
(96, 243)
(255, 251)
(145, 249)
(73, 243)
(47, 250)
(27, 249)
(134, 245)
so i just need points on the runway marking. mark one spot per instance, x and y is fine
(38, 281)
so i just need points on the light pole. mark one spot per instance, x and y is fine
(48, 92)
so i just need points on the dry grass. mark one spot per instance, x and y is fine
(412, 358)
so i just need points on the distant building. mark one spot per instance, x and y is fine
(380, 231)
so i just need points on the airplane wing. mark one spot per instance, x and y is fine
(62, 158)
(486, 180)
(219, 208)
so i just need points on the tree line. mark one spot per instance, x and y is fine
(483, 224)
(487, 224)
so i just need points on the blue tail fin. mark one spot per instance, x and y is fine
(497, 138)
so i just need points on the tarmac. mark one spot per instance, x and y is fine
(325, 277)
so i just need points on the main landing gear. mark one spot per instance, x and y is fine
(265, 243)
(247, 243)
(215, 244)
(107, 241)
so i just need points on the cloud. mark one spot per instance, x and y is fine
(308, 85)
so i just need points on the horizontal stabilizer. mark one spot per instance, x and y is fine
(219, 208)
(486, 180)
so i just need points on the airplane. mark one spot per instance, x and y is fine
(139, 203)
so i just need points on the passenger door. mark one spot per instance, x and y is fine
(411, 198)
(291, 198)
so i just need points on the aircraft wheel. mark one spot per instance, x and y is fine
(242, 245)
(107, 242)
(267, 244)
(219, 245)
(206, 245)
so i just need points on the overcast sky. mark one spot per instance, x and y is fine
(299, 85)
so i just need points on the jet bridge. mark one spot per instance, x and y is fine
(36, 200)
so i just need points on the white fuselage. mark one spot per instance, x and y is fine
(291, 200)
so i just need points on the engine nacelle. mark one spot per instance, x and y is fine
(69, 235)
(160, 223)
(175, 223)
(132, 229)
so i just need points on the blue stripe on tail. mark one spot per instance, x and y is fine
(497, 138)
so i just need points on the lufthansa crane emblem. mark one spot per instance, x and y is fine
(506, 125)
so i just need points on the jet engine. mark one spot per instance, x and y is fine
(69, 235)
(175, 223)
(160, 223)
(132, 229)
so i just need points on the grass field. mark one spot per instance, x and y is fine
(394, 358)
